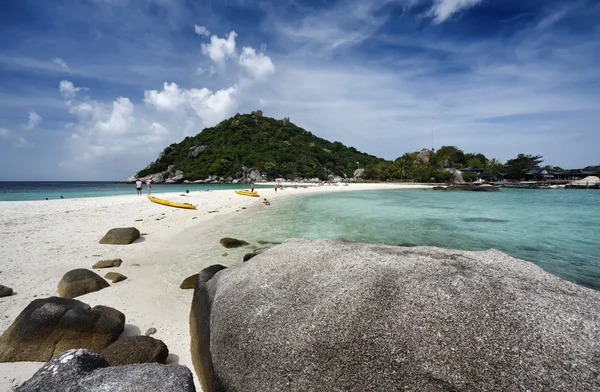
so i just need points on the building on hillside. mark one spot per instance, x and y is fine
(539, 175)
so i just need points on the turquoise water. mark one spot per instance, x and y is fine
(557, 229)
(17, 191)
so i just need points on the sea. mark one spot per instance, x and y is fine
(557, 229)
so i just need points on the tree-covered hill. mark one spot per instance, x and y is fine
(277, 147)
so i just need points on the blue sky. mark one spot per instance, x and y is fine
(95, 89)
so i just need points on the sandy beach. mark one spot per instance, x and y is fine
(42, 240)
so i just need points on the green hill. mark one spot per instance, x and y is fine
(277, 147)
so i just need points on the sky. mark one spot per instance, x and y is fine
(96, 89)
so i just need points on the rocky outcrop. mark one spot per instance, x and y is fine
(136, 349)
(80, 281)
(359, 173)
(115, 277)
(112, 263)
(257, 113)
(232, 242)
(176, 178)
(456, 175)
(424, 156)
(286, 121)
(334, 315)
(120, 236)
(80, 370)
(5, 291)
(50, 326)
(195, 151)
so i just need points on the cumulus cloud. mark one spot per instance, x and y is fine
(257, 64)
(34, 120)
(67, 89)
(208, 106)
(60, 62)
(220, 48)
(444, 9)
(201, 30)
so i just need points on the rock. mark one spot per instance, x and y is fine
(200, 320)
(250, 255)
(195, 151)
(335, 315)
(286, 120)
(115, 277)
(189, 282)
(80, 281)
(150, 331)
(108, 263)
(456, 175)
(80, 371)
(257, 113)
(63, 372)
(120, 236)
(5, 291)
(135, 349)
(49, 326)
(254, 176)
(424, 156)
(232, 242)
(359, 173)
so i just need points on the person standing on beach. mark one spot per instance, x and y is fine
(275, 186)
(138, 187)
(148, 182)
(252, 190)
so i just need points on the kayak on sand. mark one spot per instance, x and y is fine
(246, 193)
(171, 203)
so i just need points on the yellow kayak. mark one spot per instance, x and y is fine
(171, 203)
(246, 193)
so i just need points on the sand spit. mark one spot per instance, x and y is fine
(42, 240)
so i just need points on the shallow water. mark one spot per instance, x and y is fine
(558, 229)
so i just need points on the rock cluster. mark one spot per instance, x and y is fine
(334, 315)
(80, 370)
(50, 326)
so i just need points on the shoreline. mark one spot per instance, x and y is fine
(43, 239)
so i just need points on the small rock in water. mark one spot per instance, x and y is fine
(232, 242)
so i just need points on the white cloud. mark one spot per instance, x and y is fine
(257, 64)
(60, 62)
(201, 30)
(34, 120)
(170, 98)
(209, 107)
(444, 9)
(4, 132)
(67, 89)
(121, 117)
(220, 48)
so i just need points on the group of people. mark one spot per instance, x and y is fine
(138, 186)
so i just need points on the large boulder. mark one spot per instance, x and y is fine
(120, 236)
(254, 175)
(334, 315)
(49, 326)
(80, 281)
(136, 349)
(232, 242)
(424, 156)
(5, 291)
(80, 371)
(108, 263)
(195, 151)
(359, 173)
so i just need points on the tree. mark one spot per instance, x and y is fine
(469, 176)
(517, 168)
(448, 156)
(494, 167)
(405, 164)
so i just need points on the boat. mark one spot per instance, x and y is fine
(244, 192)
(171, 203)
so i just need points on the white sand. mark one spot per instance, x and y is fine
(42, 240)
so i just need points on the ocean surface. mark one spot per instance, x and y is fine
(557, 229)
(18, 191)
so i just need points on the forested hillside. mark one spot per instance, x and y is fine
(277, 147)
